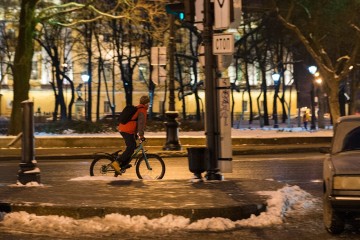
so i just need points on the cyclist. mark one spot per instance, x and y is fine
(130, 131)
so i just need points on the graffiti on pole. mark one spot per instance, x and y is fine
(225, 144)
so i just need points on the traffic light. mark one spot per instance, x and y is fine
(183, 10)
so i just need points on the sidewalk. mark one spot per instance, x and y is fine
(234, 199)
(231, 198)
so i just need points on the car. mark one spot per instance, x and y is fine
(341, 175)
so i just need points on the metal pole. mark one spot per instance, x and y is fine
(275, 115)
(0, 102)
(28, 172)
(86, 112)
(312, 95)
(211, 118)
(172, 139)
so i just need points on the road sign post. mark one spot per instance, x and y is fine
(211, 118)
(225, 144)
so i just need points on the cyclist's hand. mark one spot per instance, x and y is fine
(142, 138)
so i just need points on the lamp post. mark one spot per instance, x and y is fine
(85, 79)
(172, 126)
(312, 70)
(0, 102)
(65, 69)
(276, 78)
(319, 95)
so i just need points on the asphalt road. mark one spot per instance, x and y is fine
(304, 170)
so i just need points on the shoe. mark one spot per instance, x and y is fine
(115, 165)
(126, 166)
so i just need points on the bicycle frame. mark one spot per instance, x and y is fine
(135, 155)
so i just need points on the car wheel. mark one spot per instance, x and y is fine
(332, 220)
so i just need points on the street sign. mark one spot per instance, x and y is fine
(199, 14)
(223, 44)
(222, 14)
(158, 75)
(158, 56)
(224, 61)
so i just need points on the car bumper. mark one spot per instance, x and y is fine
(345, 203)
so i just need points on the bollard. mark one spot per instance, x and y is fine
(29, 172)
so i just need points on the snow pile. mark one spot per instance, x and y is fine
(281, 203)
(285, 201)
(29, 184)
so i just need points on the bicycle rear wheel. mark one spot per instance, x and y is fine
(100, 166)
(157, 167)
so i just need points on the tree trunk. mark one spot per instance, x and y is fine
(23, 63)
(333, 93)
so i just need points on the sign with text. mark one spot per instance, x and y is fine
(223, 44)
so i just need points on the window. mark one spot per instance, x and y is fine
(143, 72)
(108, 72)
(352, 140)
(245, 106)
(107, 107)
(34, 70)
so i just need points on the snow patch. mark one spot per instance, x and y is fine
(282, 203)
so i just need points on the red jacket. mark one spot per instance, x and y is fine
(137, 123)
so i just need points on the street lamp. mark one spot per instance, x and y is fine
(313, 71)
(172, 126)
(276, 78)
(85, 78)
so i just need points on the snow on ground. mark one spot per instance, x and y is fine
(242, 133)
(281, 203)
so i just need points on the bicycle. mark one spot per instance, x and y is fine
(148, 166)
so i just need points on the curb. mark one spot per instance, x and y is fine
(88, 153)
(79, 212)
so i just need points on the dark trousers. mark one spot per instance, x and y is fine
(130, 142)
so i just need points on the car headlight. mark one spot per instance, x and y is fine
(347, 182)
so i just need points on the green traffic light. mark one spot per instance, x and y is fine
(176, 9)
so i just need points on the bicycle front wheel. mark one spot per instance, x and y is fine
(155, 170)
(100, 166)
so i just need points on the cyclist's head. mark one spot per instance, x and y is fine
(144, 100)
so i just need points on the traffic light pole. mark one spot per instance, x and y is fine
(211, 118)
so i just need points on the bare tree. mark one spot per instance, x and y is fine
(58, 44)
(32, 12)
(328, 31)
